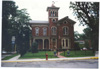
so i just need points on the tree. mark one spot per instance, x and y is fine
(21, 29)
(15, 23)
(87, 31)
(76, 35)
(88, 14)
(8, 10)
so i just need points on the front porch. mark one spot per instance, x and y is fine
(43, 42)
(47, 43)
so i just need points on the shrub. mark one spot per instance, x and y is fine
(76, 47)
(34, 47)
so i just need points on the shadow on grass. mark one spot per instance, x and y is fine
(40, 54)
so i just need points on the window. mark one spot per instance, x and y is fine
(66, 43)
(53, 30)
(65, 22)
(53, 20)
(54, 40)
(51, 13)
(44, 31)
(37, 31)
(65, 31)
(55, 13)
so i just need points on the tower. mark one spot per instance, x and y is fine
(53, 18)
(52, 14)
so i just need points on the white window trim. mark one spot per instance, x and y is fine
(65, 46)
(67, 30)
(38, 31)
(54, 13)
(43, 31)
(52, 32)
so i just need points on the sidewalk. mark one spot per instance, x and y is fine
(15, 59)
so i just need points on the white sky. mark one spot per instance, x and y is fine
(37, 10)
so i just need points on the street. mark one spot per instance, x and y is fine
(91, 63)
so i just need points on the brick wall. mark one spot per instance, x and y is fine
(40, 30)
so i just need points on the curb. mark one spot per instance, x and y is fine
(94, 57)
(50, 60)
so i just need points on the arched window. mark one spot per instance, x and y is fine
(37, 31)
(55, 13)
(44, 31)
(65, 31)
(51, 13)
(54, 29)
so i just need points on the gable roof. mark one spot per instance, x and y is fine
(67, 19)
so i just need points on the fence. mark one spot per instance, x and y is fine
(73, 53)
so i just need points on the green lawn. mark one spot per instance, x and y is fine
(78, 53)
(8, 57)
(40, 54)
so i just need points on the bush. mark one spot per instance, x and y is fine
(44, 49)
(34, 47)
(87, 44)
(76, 47)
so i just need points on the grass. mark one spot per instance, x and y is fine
(40, 54)
(78, 53)
(8, 57)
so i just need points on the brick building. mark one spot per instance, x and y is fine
(53, 33)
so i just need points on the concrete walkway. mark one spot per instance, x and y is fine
(14, 58)
(60, 56)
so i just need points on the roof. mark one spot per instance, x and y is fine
(67, 19)
(38, 21)
(52, 7)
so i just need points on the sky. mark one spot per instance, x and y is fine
(37, 10)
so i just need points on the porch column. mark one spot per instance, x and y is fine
(68, 43)
(64, 43)
(43, 43)
(49, 43)
(33, 40)
(56, 44)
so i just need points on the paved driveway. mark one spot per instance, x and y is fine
(92, 63)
